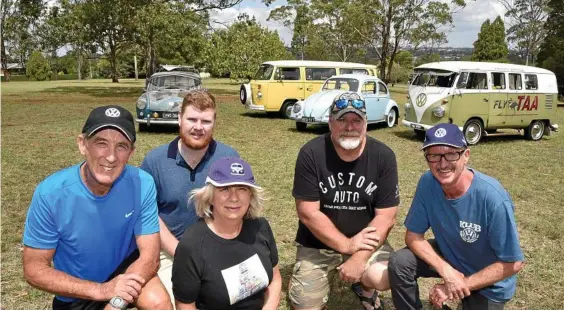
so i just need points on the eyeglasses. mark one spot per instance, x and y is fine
(451, 156)
(344, 103)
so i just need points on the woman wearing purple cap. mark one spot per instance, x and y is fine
(228, 259)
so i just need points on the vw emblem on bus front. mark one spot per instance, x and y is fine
(421, 100)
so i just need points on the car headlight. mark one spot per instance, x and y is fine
(407, 107)
(439, 112)
(141, 103)
(297, 108)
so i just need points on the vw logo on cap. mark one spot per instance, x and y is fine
(440, 132)
(112, 112)
(421, 100)
(237, 169)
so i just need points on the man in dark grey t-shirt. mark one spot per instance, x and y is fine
(346, 191)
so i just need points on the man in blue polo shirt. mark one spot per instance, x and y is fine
(179, 167)
(97, 221)
(476, 248)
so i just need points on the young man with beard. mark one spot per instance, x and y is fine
(97, 221)
(346, 191)
(476, 248)
(179, 167)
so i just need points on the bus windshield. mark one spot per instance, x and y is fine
(433, 77)
(264, 72)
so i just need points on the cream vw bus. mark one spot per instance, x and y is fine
(481, 98)
(278, 85)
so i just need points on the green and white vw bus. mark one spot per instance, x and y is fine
(481, 98)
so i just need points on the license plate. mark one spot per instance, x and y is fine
(308, 119)
(416, 126)
(170, 115)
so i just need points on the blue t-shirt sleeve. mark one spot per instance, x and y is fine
(40, 226)
(148, 222)
(502, 233)
(417, 219)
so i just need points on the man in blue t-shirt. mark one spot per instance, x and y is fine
(179, 167)
(97, 221)
(476, 248)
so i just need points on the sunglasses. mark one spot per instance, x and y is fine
(344, 103)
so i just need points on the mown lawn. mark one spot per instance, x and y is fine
(40, 121)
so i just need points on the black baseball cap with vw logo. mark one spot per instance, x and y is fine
(110, 116)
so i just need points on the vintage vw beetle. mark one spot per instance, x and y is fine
(379, 106)
(164, 92)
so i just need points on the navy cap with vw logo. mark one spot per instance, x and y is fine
(231, 171)
(110, 116)
(446, 134)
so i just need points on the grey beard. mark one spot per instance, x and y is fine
(348, 143)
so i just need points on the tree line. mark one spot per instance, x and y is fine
(184, 32)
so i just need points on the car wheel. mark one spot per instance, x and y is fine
(535, 131)
(420, 134)
(243, 94)
(391, 118)
(301, 126)
(143, 127)
(286, 110)
(473, 131)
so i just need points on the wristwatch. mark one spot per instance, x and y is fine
(118, 303)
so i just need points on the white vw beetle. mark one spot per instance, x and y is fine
(379, 106)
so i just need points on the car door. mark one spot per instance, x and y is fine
(315, 78)
(368, 91)
(383, 98)
(287, 85)
(498, 99)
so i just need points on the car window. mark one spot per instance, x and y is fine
(344, 84)
(174, 82)
(498, 80)
(352, 71)
(369, 88)
(264, 72)
(287, 74)
(473, 81)
(531, 82)
(515, 82)
(382, 88)
(320, 73)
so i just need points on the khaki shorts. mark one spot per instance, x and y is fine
(165, 273)
(315, 268)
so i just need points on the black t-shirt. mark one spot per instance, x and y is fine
(349, 192)
(217, 273)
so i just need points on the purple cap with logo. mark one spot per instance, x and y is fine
(445, 134)
(231, 171)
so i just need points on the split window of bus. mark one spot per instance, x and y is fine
(320, 73)
(498, 80)
(369, 88)
(515, 82)
(531, 82)
(473, 81)
(345, 71)
(264, 72)
(437, 78)
(340, 84)
(292, 74)
(383, 90)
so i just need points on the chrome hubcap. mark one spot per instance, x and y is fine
(289, 110)
(242, 95)
(391, 118)
(473, 133)
(537, 131)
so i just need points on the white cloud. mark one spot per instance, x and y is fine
(229, 16)
(466, 23)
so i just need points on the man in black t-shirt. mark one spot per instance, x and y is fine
(347, 193)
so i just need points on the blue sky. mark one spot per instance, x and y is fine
(466, 23)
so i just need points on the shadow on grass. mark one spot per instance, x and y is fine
(261, 115)
(97, 91)
(505, 138)
(159, 128)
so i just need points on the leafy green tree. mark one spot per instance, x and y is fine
(525, 29)
(491, 45)
(551, 55)
(405, 59)
(240, 49)
(37, 67)
(297, 16)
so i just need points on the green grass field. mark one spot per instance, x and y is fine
(40, 121)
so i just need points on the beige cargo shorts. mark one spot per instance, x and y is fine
(314, 270)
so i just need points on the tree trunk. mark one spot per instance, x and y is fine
(386, 29)
(113, 62)
(79, 62)
(393, 56)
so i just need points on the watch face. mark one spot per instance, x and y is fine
(118, 302)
